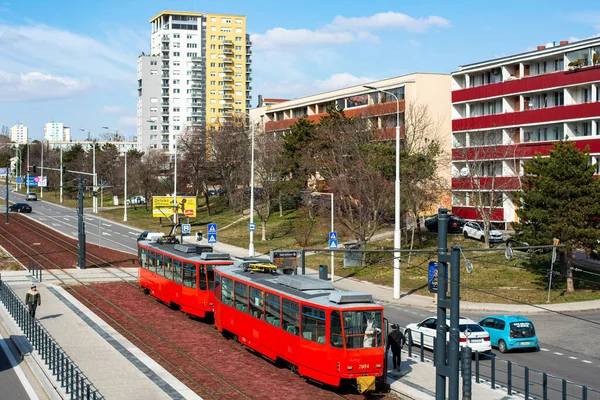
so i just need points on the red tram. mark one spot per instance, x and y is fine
(331, 336)
(180, 275)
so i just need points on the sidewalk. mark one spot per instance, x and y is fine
(117, 368)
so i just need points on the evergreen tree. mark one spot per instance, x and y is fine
(560, 199)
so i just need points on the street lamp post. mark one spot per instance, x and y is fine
(95, 179)
(397, 242)
(27, 182)
(251, 244)
(42, 171)
(125, 188)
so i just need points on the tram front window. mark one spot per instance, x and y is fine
(363, 329)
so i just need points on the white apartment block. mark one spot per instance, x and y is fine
(56, 131)
(19, 133)
(197, 75)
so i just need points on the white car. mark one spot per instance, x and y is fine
(136, 200)
(471, 334)
(475, 230)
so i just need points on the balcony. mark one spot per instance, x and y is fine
(196, 68)
(196, 123)
(227, 42)
(227, 106)
(196, 94)
(164, 57)
(227, 79)
(227, 60)
(228, 97)
(165, 66)
(227, 52)
(196, 77)
(248, 70)
(164, 48)
(164, 103)
(165, 94)
(197, 113)
(542, 115)
(228, 88)
(165, 75)
(196, 59)
(197, 85)
(248, 43)
(165, 111)
(164, 39)
(248, 79)
(165, 85)
(164, 131)
(227, 70)
(248, 61)
(248, 52)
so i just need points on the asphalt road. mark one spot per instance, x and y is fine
(569, 343)
(11, 378)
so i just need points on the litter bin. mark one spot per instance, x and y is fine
(198, 236)
(323, 272)
(353, 258)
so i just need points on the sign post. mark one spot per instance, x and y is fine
(555, 243)
(333, 245)
(185, 230)
(212, 233)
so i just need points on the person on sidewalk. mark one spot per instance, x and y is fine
(396, 340)
(33, 299)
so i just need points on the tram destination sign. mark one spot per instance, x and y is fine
(285, 258)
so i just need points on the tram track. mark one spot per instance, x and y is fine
(183, 365)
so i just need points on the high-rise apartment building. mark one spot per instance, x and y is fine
(507, 110)
(19, 133)
(197, 75)
(57, 131)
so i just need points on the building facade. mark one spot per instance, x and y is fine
(506, 110)
(196, 76)
(413, 90)
(19, 133)
(56, 131)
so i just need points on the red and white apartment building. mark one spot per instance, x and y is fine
(506, 110)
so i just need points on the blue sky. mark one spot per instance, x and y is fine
(74, 61)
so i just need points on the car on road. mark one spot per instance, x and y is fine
(474, 230)
(510, 332)
(136, 200)
(455, 223)
(470, 332)
(150, 236)
(31, 196)
(20, 207)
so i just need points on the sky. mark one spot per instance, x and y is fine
(74, 61)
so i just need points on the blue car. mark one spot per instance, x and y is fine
(510, 332)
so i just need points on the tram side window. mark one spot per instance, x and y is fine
(273, 309)
(202, 277)
(241, 296)
(168, 263)
(143, 258)
(313, 324)
(256, 303)
(227, 291)
(189, 275)
(335, 331)
(151, 266)
(291, 311)
(160, 269)
(210, 274)
(217, 286)
(177, 270)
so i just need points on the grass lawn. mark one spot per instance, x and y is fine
(494, 279)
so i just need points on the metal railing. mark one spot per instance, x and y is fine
(35, 269)
(512, 377)
(67, 374)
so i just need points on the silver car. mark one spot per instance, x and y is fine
(31, 196)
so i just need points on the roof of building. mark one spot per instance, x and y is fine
(547, 50)
(190, 13)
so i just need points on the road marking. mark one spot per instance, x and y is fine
(132, 233)
(558, 354)
(55, 224)
(74, 234)
(587, 362)
(542, 349)
(89, 218)
(573, 358)
(106, 234)
(103, 224)
(65, 218)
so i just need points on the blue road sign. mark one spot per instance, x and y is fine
(251, 226)
(186, 229)
(19, 179)
(212, 238)
(333, 244)
(212, 228)
(332, 235)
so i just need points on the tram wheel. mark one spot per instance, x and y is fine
(292, 367)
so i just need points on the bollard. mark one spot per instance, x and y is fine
(564, 389)
(466, 372)
(493, 383)
(545, 386)
(476, 367)
(509, 377)
(526, 369)
(423, 350)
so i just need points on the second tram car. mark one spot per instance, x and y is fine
(331, 336)
(180, 275)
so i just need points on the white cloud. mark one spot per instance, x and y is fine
(113, 110)
(289, 90)
(35, 86)
(45, 55)
(344, 30)
(128, 122)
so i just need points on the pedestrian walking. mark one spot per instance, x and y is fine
(33, 299)
(396, 340)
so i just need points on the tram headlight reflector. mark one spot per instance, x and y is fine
(349, 367)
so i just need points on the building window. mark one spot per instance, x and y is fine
(222, 37)
(238, 38)
(238, 48)
(176, 36)
(153, 72)
(238, 21)
(176, 45)
(213, 37)
(153, 127)
(192, 54)
(190, 36)
(212, 83)
(192, 45)
(213, 19)
(176, 81)
(176, 109)
(176, 54)
(225, 20)
(225, 29)
(213, 110)
(212, 47)
(213, 28)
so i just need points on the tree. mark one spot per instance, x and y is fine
(489, 173)
(560, 199)
(194, 160)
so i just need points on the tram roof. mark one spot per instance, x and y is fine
(302, 287)
(177, 250)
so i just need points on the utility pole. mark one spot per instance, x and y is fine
(61, 177)
(80, 227)
(42, 172)
(27, 182)
(7, 194)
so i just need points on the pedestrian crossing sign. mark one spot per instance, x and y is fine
(212, 238)
(333, 235)
(333, 244)
(212, 228)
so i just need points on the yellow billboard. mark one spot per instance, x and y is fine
(162, 206)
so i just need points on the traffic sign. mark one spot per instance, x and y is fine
(333, 244)
(333, 235)
(212, 228)
(212, 238)
(251, 226)
(186, 229)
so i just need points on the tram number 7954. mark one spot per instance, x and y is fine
(364, 366)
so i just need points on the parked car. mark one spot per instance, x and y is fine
(31, 196)
(20, 207)
(455, 223)
(478, 339)
(150, 236)
(475, 230)
(136, 200)
(509, 332)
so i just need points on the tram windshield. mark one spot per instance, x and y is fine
(362, 329)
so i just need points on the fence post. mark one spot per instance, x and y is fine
(545, 386)
(584, 393)
(526, 382)
(509, 376)
(466, 372)
(476, 367)
(564, 389)
(423, 350)
(493, 366)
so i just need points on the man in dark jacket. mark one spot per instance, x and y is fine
(396, 340)
(33, 299)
